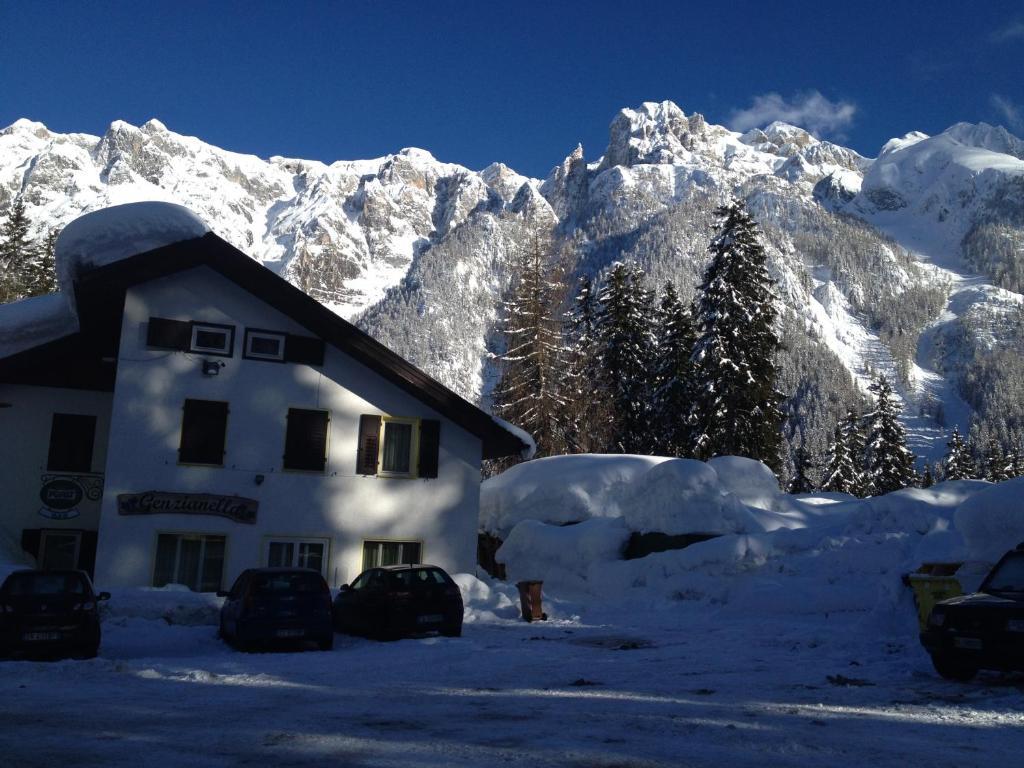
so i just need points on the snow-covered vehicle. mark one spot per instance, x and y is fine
(983, 630)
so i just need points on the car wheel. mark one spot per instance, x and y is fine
(952, 669)
(326, 643)
(455, 630)
(87, 652)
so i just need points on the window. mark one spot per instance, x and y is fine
(378, 553)
(398, 447)
(297, 553)
(263, 345)
(193, 559)
(305, 443)
(71, 439)
(58, 550)
(203, 432)
(212, 339)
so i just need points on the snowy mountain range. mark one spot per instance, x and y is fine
(911, 264)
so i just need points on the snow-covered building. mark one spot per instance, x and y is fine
(180, 413)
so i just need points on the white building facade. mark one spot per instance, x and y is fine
(208, 417)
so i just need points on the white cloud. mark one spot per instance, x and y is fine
(1012, 31)
(1010, 112)
(809, 110)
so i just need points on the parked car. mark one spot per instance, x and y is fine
(983, 630)
(49, 613)
(268, 606)
(398, 600)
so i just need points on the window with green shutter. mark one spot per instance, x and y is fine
(305, 444)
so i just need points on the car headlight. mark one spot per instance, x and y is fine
(1015, 625)
(936, 619)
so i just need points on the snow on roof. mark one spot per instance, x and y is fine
(30, 322)
(531, 446)
(111, 234)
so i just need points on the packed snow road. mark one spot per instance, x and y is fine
(676, 686)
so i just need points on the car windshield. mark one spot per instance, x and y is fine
(1008, 576)
(278, 583)
(27, 584)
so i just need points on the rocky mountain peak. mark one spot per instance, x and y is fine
(656, 133)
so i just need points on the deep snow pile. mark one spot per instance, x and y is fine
(776, 552)
(30, 322)
(111, 234)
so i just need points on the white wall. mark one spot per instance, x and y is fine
(151, 388)
(24, 449)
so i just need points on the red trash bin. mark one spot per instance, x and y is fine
(530, 600)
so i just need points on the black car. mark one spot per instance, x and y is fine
(984, 630)
(49, 613)
(397, 600)
(273, 606)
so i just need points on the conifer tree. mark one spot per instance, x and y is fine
(890, 464)
(957, 464)
(804, 467)
(38, 272)
(997, 466)
(844, 468)
(624, 346)
(16, 251)
(587, 406)
(529, 392)
(673, 378)
(736, 407)
(927, 478)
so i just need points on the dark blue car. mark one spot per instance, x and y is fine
(277, 606)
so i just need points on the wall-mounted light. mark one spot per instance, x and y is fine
(212, 367)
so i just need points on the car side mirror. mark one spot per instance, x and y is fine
(344, 588)
(103, 596)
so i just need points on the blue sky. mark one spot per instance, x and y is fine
(522, 83)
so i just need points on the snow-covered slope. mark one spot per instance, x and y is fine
(868, 254)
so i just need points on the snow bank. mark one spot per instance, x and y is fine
(814, 553)
(557, 489)
(486, 600)
(30, 322)
(527, 439)
(174, 604)
(115, 233)
(993, 521)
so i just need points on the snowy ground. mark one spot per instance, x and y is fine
(677, 685)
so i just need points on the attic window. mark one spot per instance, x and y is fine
(211, 339)
(263, 345)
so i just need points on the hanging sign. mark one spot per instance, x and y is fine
(236, 508)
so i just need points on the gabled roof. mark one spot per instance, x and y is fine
(99, 295)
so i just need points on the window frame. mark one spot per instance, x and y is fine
(414, 446)
(327, 443)
(57, 533)
(251, 333)
(181, 433)
(203, 536)
(198, 327)
(270, 539)
(381, 542)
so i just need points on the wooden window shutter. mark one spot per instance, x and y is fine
(204, 426)
(71, 442)
(305, 443)
(304, 349)
(430, 446)
(369, 445)
(168, 334)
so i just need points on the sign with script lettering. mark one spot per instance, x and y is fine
(235, 508)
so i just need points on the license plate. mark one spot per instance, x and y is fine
(290, 633)
(970, 643)
(430, 618)
(31, 636)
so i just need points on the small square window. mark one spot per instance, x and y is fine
(264, 345)
(398, 446)
(212, 339)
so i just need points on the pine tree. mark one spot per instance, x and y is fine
(16, 251)
(675, 338)
(890, 463)
(39, 274)
(529, 393)
(844, 467)
(997, 466)
(927, 478)
(957, 465)
(624, 344)
(803, 467)
(736, 408)
(587, 406)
